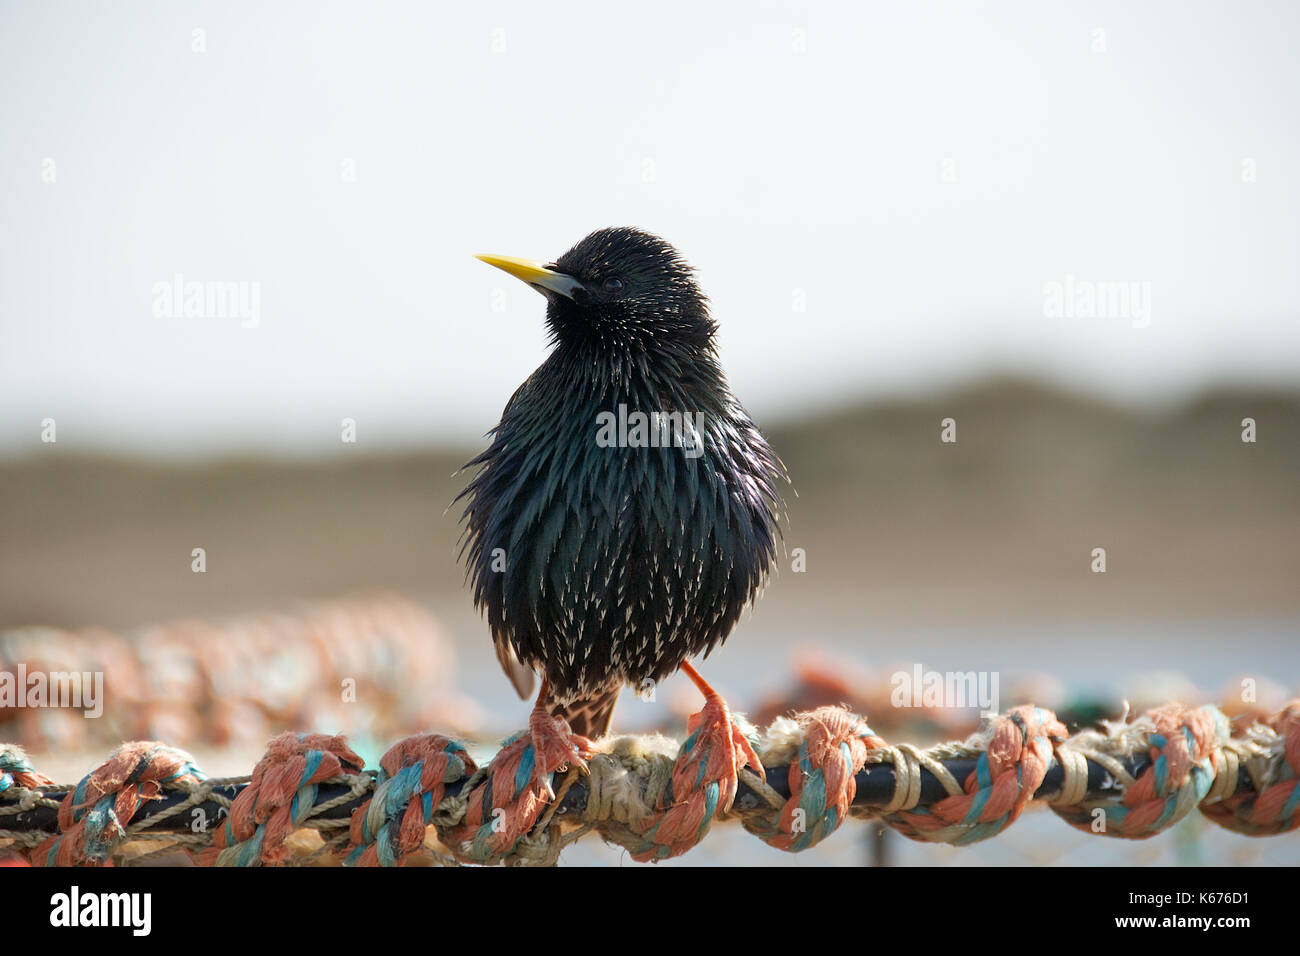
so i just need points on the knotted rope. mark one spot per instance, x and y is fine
(1186, 747)
(412, 782)
(1014, 753)
(492, 821)
(93, 814)
(17, 771)
(280, 795)
(830, 747)
(1274, 806)
(701, 787)
(658, 799)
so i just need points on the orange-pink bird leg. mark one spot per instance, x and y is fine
(726, 744)
(705, 776)
(555, 747)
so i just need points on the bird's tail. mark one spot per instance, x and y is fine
(589, 717)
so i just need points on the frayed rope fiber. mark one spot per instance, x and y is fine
(280, 795)
(412, 782)
(658, 798)
(92, 817)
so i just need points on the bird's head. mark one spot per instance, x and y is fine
(619, 287)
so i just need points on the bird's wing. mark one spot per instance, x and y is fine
(520, 674)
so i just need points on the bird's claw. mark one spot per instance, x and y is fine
(730, 750)
(718, 742)
(555, 749)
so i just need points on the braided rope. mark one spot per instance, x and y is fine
(279, 797)
(17, 771)
(391, 825)
(1274, 806)
(21, 783)
(832, 746)
(494, 817)
(1014, 753)
(1186, 750)
(92, 814)
(703, 785)
(658, 799)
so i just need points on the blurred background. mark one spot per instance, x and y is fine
(886, 204)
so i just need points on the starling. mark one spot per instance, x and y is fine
(626, 509)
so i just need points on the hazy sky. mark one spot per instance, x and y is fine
(911, 175)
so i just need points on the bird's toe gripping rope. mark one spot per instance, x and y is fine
(412, 783)
(703, 783)
(503, 802)
(555, 748)
(279, 797)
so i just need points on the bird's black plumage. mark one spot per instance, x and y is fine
(616, 564)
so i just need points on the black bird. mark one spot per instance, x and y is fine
(605, 557)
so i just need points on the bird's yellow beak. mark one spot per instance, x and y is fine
(537, 275)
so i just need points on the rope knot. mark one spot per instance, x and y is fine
(17, 771)
(1184, 746)
(1013, 753)
(703, 785)
(412, 782)
(833, 744)
(280, 796)
(93, 814)
(1273, 762)
(504, 801)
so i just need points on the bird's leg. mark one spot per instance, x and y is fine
(555, 747)
(716, 749)
(705, 776)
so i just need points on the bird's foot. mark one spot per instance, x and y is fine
(705, 776)
(508, 805)
(715, 749)
(555, 747)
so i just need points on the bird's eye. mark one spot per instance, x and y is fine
(612, 284)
